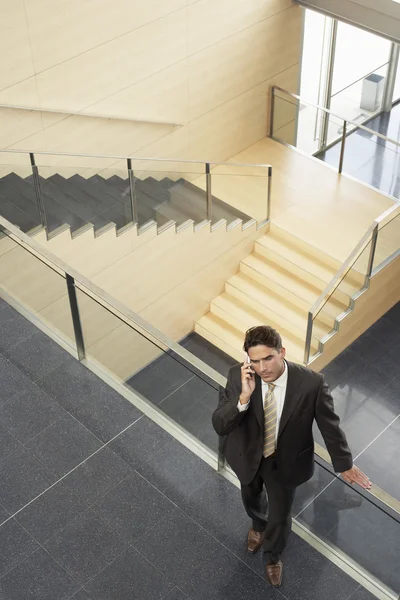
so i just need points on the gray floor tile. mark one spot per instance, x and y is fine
(140, 442)
(209, 353)
(12, 380)
(133, 507)
(221, 515)
(176, 594)
(37, 355)
(15, 545)
(14, 328)
(63, 445)
(199, 565)
(130, 577)
(346, 519)
(156, 381)
(385, 450)
(39, 577)
(8, 444)
(390, 394)
(95, 404)
(362, 418)
(310, 576)
(176, 471)
(29, 413)
(97, 475)
(192, 406)
(309, 490)
(362, 594)
(85, 546)
(51, 512)
(22, 478)
(81, 595)
(4, 514)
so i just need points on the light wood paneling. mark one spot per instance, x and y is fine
(175, 313)
(202, 64)
(142, 100)
(225, 70)
(209, 22)
(64, 29)
(106, 69)
(15, 50)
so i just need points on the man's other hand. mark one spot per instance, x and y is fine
(355, 475)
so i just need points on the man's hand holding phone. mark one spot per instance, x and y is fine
(248, 382)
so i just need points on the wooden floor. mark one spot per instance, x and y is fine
(309, 199)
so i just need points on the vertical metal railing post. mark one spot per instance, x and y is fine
(208, 192)
(307, 346)
(272, 113)
(342, 145)
(76, 320)
(132, 194)
(38, 192)
(371, 257)
(269, 193)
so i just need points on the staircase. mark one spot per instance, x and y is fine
(79, 202)
(276, 285)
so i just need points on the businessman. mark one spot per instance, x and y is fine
(266, 413)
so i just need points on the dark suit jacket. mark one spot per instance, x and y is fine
(307, 398)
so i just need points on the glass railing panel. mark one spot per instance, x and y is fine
(18, 200)
(353, 522)
(79, 191)
(372, 160)
(141, 364)
(340, 299)
(284, 118)
(240, 193)
(175, 190)
(388, 242)
(36, 287)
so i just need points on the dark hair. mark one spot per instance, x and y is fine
(262, 335)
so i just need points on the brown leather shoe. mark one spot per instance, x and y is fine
(255, 540)
(274, 574)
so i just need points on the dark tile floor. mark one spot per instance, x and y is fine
(98, 503)
(369, 158)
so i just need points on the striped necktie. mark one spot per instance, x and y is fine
(269, 421)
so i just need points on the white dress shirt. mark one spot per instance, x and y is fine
(279, 393)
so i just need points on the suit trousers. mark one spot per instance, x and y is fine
(263, 492)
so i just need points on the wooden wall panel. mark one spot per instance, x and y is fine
(64, 29)
(206, 65)
(15, 49)
(106, 69)
(224, 71)
(209, 22)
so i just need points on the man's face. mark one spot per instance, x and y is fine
(267, 362)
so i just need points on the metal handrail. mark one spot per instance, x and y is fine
(327, 110)
(80, 114)
(369, 236)
(102, 297)
(125, 157)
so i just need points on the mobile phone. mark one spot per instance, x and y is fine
(249, 362)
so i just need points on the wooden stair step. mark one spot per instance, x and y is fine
(242, 317)
(343, 293)
(222, 335)
(304, 247)
(267, 273)
(266, 301)
(315, 253)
